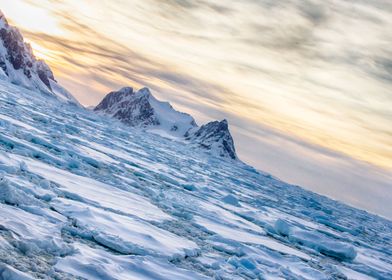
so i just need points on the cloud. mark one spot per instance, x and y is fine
(319, 169)
(305, 84)
(110, 64)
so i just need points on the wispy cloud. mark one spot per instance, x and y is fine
(318, 73)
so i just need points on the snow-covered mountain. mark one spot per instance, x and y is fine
(142, 109)
(19, 66)
(215, 137)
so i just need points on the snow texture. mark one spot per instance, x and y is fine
(83, 196)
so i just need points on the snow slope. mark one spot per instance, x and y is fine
(83, 196)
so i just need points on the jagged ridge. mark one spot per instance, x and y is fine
(132, 108)
(142, 109)
(214, 136)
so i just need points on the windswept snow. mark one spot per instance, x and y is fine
(9, 273)
(97, 264)
(85, 197)
(121, 233)
(97, 193)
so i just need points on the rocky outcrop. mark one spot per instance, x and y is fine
(215, 137)
(132, 108)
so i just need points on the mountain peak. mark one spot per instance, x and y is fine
(142, 109)
(144, 91)
(126, 90)
(3, 20)
(19, 66)
(216, 138)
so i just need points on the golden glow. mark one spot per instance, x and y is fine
(296, 74)
(41, 52)
(31, 17)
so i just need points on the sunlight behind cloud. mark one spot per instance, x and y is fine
(28, 16)
(284, 70)
(304, 69)
(41, 52)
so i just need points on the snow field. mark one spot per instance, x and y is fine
(84, 197)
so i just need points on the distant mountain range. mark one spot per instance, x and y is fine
(19, 66)
(142, 109)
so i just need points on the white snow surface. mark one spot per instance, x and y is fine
(85, 197)
(171, 120)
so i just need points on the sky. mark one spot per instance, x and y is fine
(305, 85)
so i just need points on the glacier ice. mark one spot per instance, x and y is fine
(85, 197)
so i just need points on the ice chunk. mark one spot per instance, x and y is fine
(97, 264)
(231, 199)
(9, 273)
(11, 194)
(124, 234)
(4, 245)
(338, 250)
(352, 274)
(243, 236)
(34, 233)
(282, 227)
(103, 194)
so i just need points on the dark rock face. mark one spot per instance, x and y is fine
(214, 136)
(13, 42)
(3, 65)
(113, 98)
(132, 108)
(44, 73)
